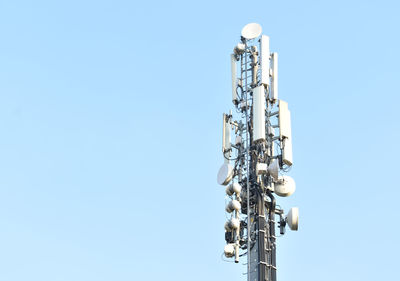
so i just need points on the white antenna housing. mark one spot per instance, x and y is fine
(229, 250)
(233, 205)
(233, 71)
(273, 169)
(274, 88)
(287, 154)
(261, 168)
(239, 49)
(265, 60)
(234, 188)
(284, 120)
(292, 218)
(226, 136)
(238, 140)
(233, 223)
(251, 31)
(285, 132)
(259, 114)
(225, 174)
(285, 186)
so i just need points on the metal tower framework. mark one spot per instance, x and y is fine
(255, 161)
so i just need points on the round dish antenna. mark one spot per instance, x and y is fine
(233, 188)
(232, 224)
(292, 218)
(225, 174)
(285, 186)
(234, 205)
(251, 31)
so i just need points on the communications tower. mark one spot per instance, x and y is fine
(257, 150)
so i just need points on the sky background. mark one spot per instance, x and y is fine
(110, 137)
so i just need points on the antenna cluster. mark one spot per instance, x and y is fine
(257, 151)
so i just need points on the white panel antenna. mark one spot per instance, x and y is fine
(265, 62)
(226, 137)
(285, 130)
(255, 62)
(287, 155)
(234, 74)
(274, 88)
(259, 114)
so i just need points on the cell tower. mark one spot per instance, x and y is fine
(254, 163)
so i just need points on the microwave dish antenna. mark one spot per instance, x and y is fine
(225, 174)
(251, 31)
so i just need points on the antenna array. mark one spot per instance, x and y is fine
(254, 163)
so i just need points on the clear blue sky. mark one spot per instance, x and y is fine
(110, 123)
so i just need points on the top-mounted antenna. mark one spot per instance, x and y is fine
(251, 31)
